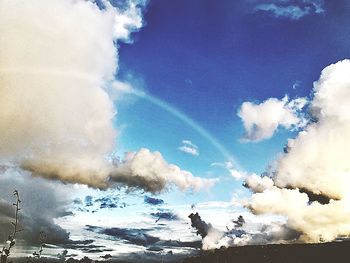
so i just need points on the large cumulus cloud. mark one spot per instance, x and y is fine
(315, 166)
(57, 59)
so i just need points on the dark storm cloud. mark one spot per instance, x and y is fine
(42, 202)
(96, 203)
(141, 237)
(153, 201)
(110, 202)
(134, 236)
(165, 215)
(86, 246)
(201, 226)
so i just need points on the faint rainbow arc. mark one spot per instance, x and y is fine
(190, 122)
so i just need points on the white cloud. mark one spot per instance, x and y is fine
(317, 158)
(316, 162)
(236, 174)
(56, 117)
(189, 150)
(149, 171)
(262, 120)
(293, 10)
(188, 147)
(258, 184)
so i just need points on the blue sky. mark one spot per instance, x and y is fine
(205, 59)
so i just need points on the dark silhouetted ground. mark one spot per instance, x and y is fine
(333, 252)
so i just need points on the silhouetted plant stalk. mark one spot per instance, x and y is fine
(6, 250)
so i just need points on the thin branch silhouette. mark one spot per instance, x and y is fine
(6, 250)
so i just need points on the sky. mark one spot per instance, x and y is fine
(131, 115)
(206, 59)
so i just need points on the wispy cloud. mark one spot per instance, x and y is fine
(296, 84)
(238, 175)
(189, 147)
(293, 10)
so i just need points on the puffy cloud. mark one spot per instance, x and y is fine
(293, 10)
(316, 222)
(57, 59)
(262, 120)
(258, 184)
(55, 116)
(149, 171)
(310, 182)
(188, 147)
(317, 158)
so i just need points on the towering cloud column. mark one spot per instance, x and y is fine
(311, 183)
